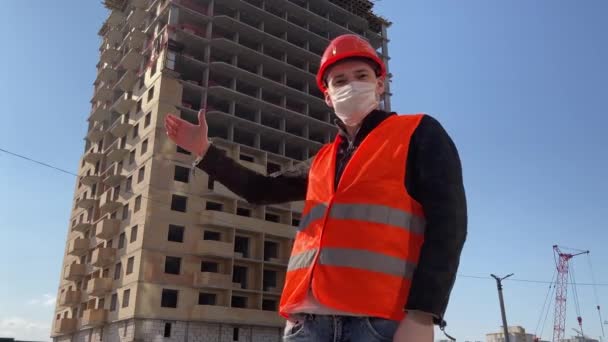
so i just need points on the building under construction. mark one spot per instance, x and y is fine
(153, 251)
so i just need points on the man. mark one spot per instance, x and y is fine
(384, 223)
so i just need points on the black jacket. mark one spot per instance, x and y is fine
(433, 178)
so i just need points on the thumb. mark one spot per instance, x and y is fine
(201, 117)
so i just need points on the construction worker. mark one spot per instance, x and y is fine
(384, 222)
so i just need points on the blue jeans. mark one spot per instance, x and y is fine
(325, 328)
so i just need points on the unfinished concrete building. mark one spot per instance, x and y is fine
(153, 251)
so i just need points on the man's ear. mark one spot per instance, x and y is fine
(381, 85)
(328, 99)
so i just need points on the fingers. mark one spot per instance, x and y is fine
(172, 125)
(172, 122)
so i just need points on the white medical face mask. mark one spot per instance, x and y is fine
(352, 102)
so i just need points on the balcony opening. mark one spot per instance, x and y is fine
(214, 206)
(220, 9)
(250, 20)
(246, 157)
(276, 11)
(241, 245)
(272, 98)
(295, 221)
(269, 305)
(294, 128)
(189, 66)
(210, 183)
(176, 233)
(271, 121)
(251, 44)
(294, 152)
(275, 31)
(295, 84)
(219, 56)
(217, 130)
(173, 265)
(191, 98)
(169, 298)
(219, 32)
(239, 276)
(243, 212)
(270, 279)
(276, 54)
(271, 250)
(239, 302)
(244, 113)
(272, 168)
(179, 203)
(319, 115)
(273, 75)
(316, 136)
(207, 299)
(246, 89)
(215, 104)
(297, 41)
(210, 235)
(318, 31)
(273, 217)
(209, 266)
(271, 145)
(182, 174)
(220, 80)
(296, 62)
(244, 137)
(167, 332)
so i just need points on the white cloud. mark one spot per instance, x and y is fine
(21, 328)
(47, 300)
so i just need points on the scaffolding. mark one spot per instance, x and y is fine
(364, 9)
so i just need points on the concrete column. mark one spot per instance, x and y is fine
(231, 132)
(282, 148)
(232, 107)
(283, 124)
(257, 140)
(258, 116)
(306, 131)
(387, 83)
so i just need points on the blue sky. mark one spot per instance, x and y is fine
(520, 86)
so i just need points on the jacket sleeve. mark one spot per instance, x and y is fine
(284, 186)
(434, 179)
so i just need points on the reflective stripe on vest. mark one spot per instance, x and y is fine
(354, 258)
(366, 212)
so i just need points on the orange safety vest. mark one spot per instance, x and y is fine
(358, 246)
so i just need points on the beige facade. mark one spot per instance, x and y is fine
(516, 334)
(154, 250)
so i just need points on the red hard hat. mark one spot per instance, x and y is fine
(343, 47)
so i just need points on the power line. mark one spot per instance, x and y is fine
(227, 222)
(530, 280)
(37, 162)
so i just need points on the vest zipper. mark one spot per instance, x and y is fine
(343, 161)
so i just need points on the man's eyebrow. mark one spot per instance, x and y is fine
(339, 75)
